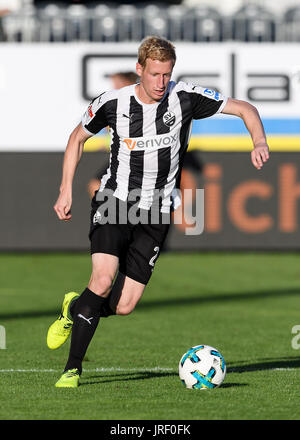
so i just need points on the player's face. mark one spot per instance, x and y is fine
(154, 79)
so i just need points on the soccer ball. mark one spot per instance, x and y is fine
(202, 367)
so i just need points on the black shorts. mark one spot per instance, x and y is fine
(136, 245)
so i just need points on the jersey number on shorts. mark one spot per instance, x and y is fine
(152, 260)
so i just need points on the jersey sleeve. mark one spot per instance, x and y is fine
(95, 117)
(206, 102)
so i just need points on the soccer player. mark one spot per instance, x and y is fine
(150, 125)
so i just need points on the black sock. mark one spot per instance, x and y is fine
(86, 315)
(72, 306)
(106, 310)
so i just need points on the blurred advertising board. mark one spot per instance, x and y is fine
(45, 88)
(243, 208)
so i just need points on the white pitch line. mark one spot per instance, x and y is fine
(128, 370)
(277, 369)
(237, 369)
(93, 370)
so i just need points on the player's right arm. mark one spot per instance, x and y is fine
(72, 157)
(93, 120)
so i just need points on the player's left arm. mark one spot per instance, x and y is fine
(252, 120)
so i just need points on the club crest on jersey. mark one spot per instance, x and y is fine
(169, 119)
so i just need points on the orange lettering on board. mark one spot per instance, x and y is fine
(289, 192)
(237, 207)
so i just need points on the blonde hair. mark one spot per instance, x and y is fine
(156, 48)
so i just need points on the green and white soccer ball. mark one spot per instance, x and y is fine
(202, 367)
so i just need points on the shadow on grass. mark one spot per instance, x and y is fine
(127, 377)
(124, 377)
(171, 302)
(233, 385)
(266, 364)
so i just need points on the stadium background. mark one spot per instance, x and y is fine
(57, 56)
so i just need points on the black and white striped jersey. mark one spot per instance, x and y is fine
(148, 141)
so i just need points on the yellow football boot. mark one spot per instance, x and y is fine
(69, 379)
(61, 329)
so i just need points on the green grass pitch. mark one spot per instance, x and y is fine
(244, 304)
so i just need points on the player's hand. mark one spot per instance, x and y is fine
(260, 155)
(63, 206)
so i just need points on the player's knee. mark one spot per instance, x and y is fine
(125, 308)
(101, 284)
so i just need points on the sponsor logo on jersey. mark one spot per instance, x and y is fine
(97, 217)
(128, 117)
(212, 94)
(99, 97)
(169, 119)
(90, 111)
(159, 141)
(130, 143)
